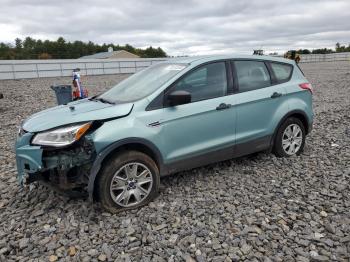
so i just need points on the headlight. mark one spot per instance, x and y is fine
(62, 136)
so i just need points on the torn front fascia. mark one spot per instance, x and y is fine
(69, 167)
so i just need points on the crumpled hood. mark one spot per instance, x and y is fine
(84, 110)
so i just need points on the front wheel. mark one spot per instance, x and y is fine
(128, 180)
(290, 138)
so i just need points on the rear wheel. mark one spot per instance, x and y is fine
(128, 180)
(290, 138)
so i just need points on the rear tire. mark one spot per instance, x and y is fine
(128, 180)
(290, 138)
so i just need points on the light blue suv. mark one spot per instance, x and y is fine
(172, 116)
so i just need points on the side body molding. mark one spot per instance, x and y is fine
(102, 155)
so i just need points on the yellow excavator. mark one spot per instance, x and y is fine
(293, 55)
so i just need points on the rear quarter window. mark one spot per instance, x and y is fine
(282, 71)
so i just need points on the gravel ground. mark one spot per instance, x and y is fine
(256, 208)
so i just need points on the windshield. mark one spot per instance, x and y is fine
(143, 83)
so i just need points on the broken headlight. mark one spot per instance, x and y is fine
(61, 136)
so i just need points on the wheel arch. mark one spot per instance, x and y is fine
(297, 114)
(137, 144)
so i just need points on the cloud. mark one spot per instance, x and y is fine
(181, 27)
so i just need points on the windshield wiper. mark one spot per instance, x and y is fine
(102, 100)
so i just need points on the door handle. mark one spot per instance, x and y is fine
(275, 95)
(223, 106)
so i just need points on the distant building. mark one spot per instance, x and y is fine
(111, 55)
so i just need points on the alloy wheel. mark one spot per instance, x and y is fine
(292, 139)
(131, 184)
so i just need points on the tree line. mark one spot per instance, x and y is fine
(338, 49)
(30, 48)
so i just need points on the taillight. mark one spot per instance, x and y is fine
(306, 86)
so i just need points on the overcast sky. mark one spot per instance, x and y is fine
(182, 27)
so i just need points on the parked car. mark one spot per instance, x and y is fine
(172, 116)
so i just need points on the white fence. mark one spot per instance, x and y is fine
(18, 69)
(312, 58)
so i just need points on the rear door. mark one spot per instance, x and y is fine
(260, 103)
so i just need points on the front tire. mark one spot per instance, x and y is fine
(128, 180)
(290, 138)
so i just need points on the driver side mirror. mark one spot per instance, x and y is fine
(179, 97)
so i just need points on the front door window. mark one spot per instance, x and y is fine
(208, 81)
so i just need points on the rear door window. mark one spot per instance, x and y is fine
(252, 75)
(282, 71)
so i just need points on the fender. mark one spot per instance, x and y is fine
(102, 155)
(308, 126)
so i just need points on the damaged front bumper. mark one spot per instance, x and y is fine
(63, 168)
(28, 158)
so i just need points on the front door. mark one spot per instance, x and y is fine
(204, 126)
